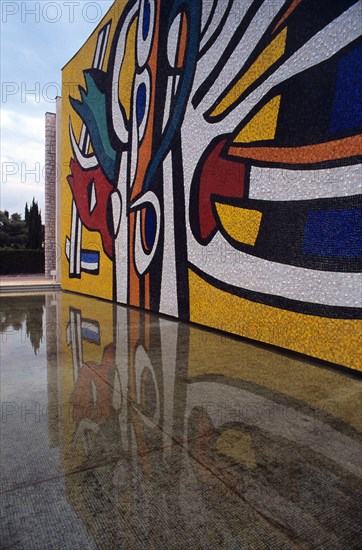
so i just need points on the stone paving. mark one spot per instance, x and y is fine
(27, 283)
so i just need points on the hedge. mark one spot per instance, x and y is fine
(13, 262)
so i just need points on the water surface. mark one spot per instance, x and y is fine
(124, 429)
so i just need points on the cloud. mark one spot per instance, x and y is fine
(17, 194)
(33, 51)
(22, 159)
(22, 137)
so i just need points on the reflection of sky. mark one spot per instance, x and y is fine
(28, 460)
(37, 39)
(17, 351)
(24, 405)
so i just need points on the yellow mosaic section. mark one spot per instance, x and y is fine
(265, 60)
(263, 125)
(72, 76)
(334, 340)
(297, 377)
(240, 223)
(127, 73)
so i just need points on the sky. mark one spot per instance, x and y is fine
(37, 38)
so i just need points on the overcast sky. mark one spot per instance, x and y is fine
(37, 39)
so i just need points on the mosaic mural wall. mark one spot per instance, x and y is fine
(212, 154)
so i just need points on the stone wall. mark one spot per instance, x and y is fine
(50, 193)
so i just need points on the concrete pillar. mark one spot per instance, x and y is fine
(50, 193)
(58, 184)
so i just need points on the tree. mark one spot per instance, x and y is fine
(13, 231)
(34, 226)
(16, 233)
(4, 239)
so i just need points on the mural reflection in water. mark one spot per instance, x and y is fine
(175, 428)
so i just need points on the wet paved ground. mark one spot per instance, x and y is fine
(121, 429)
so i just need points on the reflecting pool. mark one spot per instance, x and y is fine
(122, 429)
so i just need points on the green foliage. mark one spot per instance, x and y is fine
(35, 230)
(21, 261)
(4, 239)
(17, 233)
(13, 231)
